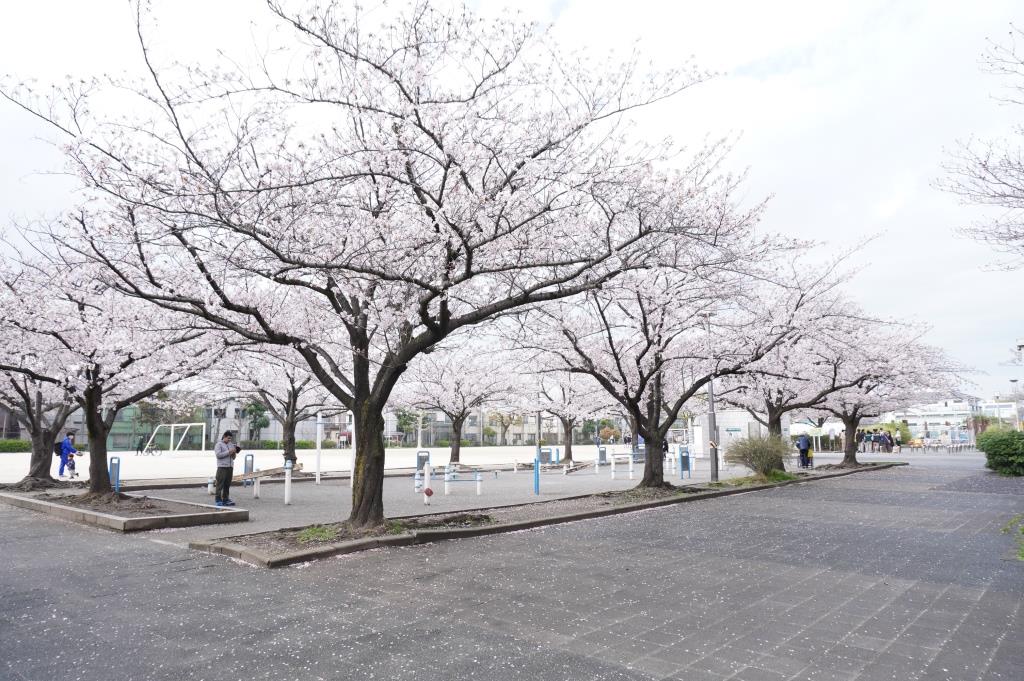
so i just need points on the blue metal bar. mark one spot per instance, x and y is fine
(536, 475)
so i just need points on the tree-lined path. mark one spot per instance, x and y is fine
(894, 574)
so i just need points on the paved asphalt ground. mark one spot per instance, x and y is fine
(890, 575)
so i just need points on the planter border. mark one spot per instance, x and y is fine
(124, 524)
(261, 559)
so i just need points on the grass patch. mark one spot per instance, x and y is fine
(1015, 526)
(750, 480)
(394, 526)
(317, 533)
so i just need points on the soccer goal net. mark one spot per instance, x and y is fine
(177, 434)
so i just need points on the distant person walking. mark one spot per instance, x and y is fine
(67, 451)
(140, 446)
(803, 445)
(225, 451)
(898, 441)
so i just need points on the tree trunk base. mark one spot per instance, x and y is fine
(644, 484)
(566, 460)
(31, 484)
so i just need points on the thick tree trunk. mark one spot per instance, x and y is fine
(368, 486)
(567, 425)
(850, 423)
(99, 478)
(456, 443)
(775, 430)
(504, 432)
(634, 430)
(41, 463)
(654, 466)
(288, 440)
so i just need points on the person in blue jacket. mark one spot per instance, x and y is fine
(803, 444)
(67, 448)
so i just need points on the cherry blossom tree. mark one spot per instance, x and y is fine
(571, 399)
(652, 343)
(904, 371)
(65, 329)
(991, 172)
(456, 379)
(41, 408)
(802, 372)
(365, 191)
(280, 380)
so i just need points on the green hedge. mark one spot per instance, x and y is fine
(1004, 450)
(15, 446)
(259, 444)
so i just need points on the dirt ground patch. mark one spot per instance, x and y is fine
(123, 505)
(294, 539)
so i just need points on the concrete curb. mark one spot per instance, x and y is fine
(262, 559)
(123, 524)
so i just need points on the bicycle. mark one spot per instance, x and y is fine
(150, 450)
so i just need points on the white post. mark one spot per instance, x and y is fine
(256, 486)
(612, 462)
(210, 487)
(630, 467)
(426, 484)
(319, 438)
(565, 469)
(515, 466)
(419, 431)
(202, 447)
(479, 483)
(447, 477)
(288, 485)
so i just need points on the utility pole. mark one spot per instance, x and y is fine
(538, 433)
(712, 425)
(419, 431)
(712, 431)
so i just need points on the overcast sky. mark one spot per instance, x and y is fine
(842, 111)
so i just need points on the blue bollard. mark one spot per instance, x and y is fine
(684, 462)
(114, 472)
(536, 475)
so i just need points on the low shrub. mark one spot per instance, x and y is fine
(15, 446)
(259, 444)
(328, 444)
(442, 443)
(1004, 450)
(762, 455)
(305, 444)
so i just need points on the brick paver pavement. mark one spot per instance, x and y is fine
(897, 574)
